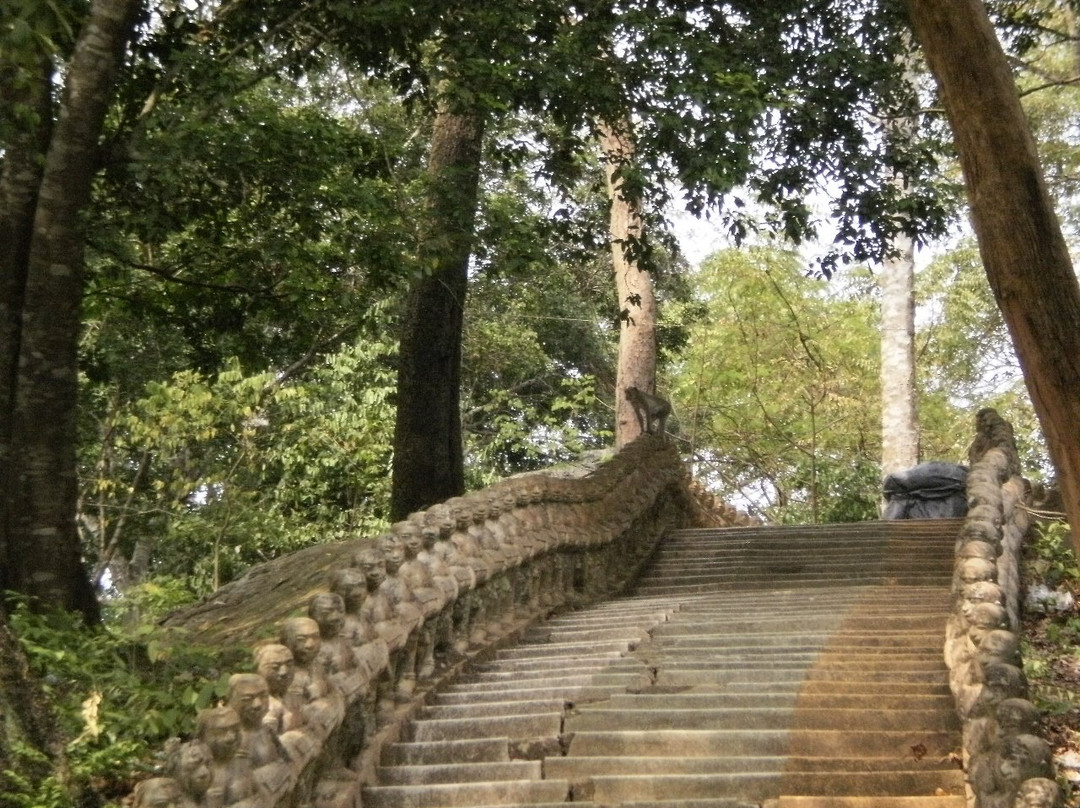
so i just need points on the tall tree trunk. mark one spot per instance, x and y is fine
(428, 455)
(1020, 239)
(41, 543)
(27, 717)
(20, 180)
(899, 431)
(633, 284)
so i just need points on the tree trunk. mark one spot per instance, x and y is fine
(899, 432)
(633, 284)
(40, 541)
(27, 717)
(20, 179)
(428, 455)
(1020, 239)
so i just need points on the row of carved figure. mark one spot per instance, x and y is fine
(1007, 764)
(444, 581)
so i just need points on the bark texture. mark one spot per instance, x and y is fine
(428, 454)
(1020, 238)
(633, 285)
(899, 432)
(40, 544)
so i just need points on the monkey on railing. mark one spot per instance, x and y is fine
(651, 410)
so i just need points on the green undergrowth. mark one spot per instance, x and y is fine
(118, 692)
(1051, 640)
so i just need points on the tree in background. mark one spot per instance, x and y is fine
(633, 281)
(428, 450)
(1023, 250)
(50, 158)
(778, 388)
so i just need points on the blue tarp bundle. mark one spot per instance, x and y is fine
(931, 490)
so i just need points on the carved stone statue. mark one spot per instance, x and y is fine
(994, 432)
(407, 610)
(232, 782)
(274, 662)
(157, 792)
(249, 696)
(1039, 792)
(378, 611)
(320, 704)
(372, 654)
(439, 522)
(336, 656)
(192, 770)
(996, 777)
(301, 636)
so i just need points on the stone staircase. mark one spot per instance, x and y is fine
(799, 667)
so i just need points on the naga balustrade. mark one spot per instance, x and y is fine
(1006, 762)
(343, 637)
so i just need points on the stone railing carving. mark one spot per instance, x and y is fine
(1005, 760)
(345, 635)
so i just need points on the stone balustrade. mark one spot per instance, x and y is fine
(1005, 761)
(344, 636)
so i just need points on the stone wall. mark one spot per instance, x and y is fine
(387, 619)
(1002, 755)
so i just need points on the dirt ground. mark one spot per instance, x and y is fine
(1052, 664)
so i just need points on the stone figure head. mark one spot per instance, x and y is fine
(348, 582)
(157, 792)
(334, 792)
(977, 548)
(301, 636)
(219, 728)
(1016, 717)
(393, 552)
(971, 570)
(1002, 645)
(1024, 757)
(441, 518)
(371, 562)
(249, 695)
(987, 616)
(327, 609)
(410, 536)
(982, 592)
(460, 512)
(276, 665)
(1039, 792)
(192, 769)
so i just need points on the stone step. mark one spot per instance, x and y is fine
(711, 803)
(609, 789)
(467, 795)
(709, 636)
(576, 769)
(474, 750)
(568, 648)
(688, 677)
(770, 581)
(540, 663)
(538, 725)
(764, 743)
(694, 701)
(573, 693)
(822, 664)
(870, 802)
(563, 636)
(487, 709)
(597, 719)
(416, 775)
(542, 667)
(487, 681)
